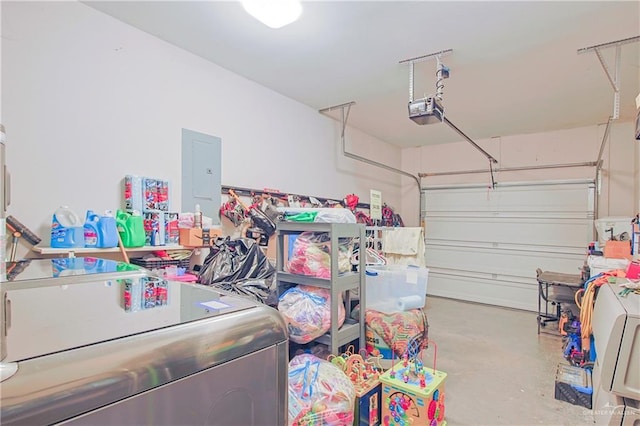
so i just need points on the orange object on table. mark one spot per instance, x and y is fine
(617, 249)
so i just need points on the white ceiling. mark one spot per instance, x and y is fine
(514, 66)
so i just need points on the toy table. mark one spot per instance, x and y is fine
(406, 401)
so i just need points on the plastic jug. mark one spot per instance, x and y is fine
(107, 230)
(91, 229)
(66, 229)
(131, 229)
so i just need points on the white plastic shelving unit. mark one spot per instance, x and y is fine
(339, 283)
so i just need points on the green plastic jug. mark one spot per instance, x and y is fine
(131, 229)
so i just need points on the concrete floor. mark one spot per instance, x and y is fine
(500, 372)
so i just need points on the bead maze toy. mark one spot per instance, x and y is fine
(364, 373)
(412, 394)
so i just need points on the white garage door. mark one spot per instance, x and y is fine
(485, 244)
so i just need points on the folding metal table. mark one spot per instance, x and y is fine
(547, 296)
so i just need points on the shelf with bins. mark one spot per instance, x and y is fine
(339, 283)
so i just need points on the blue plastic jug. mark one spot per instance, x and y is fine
(91, 229)
(107, 231)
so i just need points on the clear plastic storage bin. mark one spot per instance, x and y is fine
(619, 225)
(396, 288)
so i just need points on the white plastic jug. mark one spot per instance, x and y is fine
(67, 217)
(66, 229)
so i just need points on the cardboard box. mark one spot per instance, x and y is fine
(198, 237)
(191, 237)
(271, 249)
(617, 249)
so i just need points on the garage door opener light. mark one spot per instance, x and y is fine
(273, 13)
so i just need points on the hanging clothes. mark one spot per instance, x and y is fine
(404, 246)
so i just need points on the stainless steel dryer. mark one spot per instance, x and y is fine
(93, 341)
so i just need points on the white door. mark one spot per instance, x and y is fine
(484, 245)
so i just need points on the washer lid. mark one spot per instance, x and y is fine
(62, 312)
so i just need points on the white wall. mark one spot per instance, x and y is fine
(636, 177)
(619, 189)
(619, 181)
(0, 62)
(87, 99)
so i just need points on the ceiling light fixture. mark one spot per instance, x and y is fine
(273, 13)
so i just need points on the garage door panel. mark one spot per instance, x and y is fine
(536, 198)
(532, 198)
(485, 245)
(501, 214)
(509, 246)
(498, 279)
(547, 232)
(514, 295)
(509, 262)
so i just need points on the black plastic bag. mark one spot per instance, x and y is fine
(241, 267)
(262, 221)
(261, 290)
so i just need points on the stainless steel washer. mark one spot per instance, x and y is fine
(76, 352)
